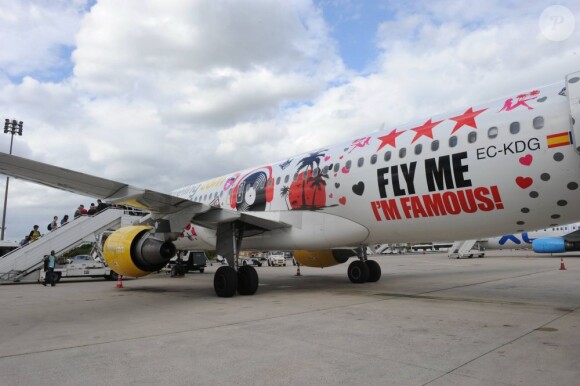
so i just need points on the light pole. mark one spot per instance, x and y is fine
(12, 127)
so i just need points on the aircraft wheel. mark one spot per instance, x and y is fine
(374, 271)
(358, 272)
(225, 282)
(247, 280)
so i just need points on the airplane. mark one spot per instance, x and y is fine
(557, 239)
(505, 166)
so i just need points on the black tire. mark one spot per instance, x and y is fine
(201, 270)
(358, 272)
(374, 271)
(56, 276)
(244, 262)
(225, 282)
(112, 276)
(247, 280)
(173, 271)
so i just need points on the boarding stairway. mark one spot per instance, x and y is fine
(465, 248)
(24, 263)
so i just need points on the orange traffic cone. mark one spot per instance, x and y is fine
(119, 281)
(562, 266)
(298, 270)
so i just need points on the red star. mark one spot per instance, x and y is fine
(467, 118)
(426, 129)
(389, 139)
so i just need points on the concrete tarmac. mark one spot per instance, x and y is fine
(506, 319)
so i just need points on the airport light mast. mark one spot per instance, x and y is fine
(12, 127)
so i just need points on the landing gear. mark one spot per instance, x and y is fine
(225, 282)
(374, 271)
(364, 270)
(247, 280)
(358, 272)
(228, 280)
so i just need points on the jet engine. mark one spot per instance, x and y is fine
(131, 251)
(321, 259)
(554, 245)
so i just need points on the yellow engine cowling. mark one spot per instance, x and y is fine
(323, 259)
(131, 251)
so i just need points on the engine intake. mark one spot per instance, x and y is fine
(130, 251)
(554, 245)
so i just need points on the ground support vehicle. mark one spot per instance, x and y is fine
(81, 266)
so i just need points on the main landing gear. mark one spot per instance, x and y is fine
(228, 280)
(364, 270)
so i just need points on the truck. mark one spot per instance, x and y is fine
(81, 266)
(187, 261)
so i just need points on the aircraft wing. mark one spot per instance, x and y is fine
(115, 192)
(573, 236)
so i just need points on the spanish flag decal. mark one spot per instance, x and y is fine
(560, 139)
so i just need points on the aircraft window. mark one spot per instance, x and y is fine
(295, 176)
(402, 152)
(348, 164)
(336, 167)
(418, 148)
(492, 132)
(453, 141)
(538, 122)
(278, 181)
(287, 178)
(435, 145)
(361, 162)
(373, 159)
(472, 137)
(387, 156)
(315, 172)
(325, 170)
(270, 181)
(205, 197)
(514, 127)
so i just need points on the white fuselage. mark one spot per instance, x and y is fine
(481, 171)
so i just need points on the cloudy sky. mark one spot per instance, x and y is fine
(161, 94)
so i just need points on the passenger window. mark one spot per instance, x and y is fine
(325, 170)
(435, 145)
(336, 167)
(514, 127)
(295, 176)
(538, 123)
(472, 137)
(402, 152)
(418, 148)
(348, 164)
(278, 181)
(287, 178)
(315, 172)
(373, 159)
(387, 156)
(453, 141)
(492, 132)
(361, 162)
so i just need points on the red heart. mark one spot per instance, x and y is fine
(526, 160)
(330, 195)
(327, 158)
(342, 200)
(345, 170)
(341, 157)
(524, 182)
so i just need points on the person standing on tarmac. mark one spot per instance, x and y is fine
(50, 273)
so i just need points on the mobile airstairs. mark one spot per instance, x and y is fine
(24, 264)
(465, 248)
